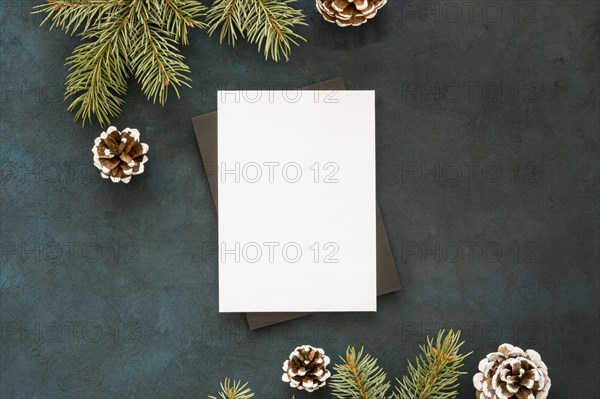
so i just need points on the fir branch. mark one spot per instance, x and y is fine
(139, 36)
(229, 15)
(72, 16)
(155, 60)
(98, 69)
(142, 37)
(234, 390)
(359, 377)
(179, 15)
(270, 24)
(266, 23)
(436, 371)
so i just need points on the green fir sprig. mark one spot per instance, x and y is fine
(267, 23)
(141, 38)
(234, 390)
(358, 377)
(123, 38)
(435, 373)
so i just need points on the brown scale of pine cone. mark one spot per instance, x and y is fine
(349, 12)
(119, 155)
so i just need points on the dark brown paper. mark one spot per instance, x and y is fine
(205, 127)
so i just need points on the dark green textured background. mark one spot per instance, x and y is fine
(487, 162)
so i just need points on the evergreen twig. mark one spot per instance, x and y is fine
(234, 390)
(99, 71)
(435, 373)
(155, 60)
(141, 37)
(229, 15)
(74, 15)
(267, 23)
(123, 37)
(358, 377)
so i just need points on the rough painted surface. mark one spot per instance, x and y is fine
(487, 140)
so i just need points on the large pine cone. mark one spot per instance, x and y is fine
(119, 155)
(307, 368)
(512, 373)
(349, 12)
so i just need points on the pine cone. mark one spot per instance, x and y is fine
(306, 369)
(119, 155)
(349, 12)
(511, 373)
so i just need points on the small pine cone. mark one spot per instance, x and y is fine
(306, 368)
(119, 155)
(349, 12)
(512, 373)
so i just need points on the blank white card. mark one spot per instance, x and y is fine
(296, 201)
